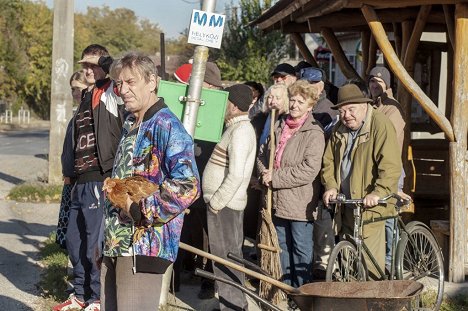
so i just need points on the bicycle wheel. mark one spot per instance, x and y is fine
(344, 264)
(419, 258)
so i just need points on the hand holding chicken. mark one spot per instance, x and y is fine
(123, 192)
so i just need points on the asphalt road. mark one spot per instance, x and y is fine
(25, 142)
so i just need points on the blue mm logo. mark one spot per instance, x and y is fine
(201, 20)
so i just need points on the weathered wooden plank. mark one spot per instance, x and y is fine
(413, 42)
(303, 49)
(365, 42)
(401, 73)
(378, 4)
(448, 13)
(372, 54)
(339, 55)
(459, 147)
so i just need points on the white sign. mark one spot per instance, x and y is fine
(206, 29)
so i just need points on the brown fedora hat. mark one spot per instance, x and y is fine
(350, 94)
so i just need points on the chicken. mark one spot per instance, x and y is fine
(137, 187)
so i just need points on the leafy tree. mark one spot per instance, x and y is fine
(247, 53)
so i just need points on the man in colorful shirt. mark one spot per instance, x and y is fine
(142, 239)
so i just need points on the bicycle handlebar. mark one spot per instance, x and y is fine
(341, 199)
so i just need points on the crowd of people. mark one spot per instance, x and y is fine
(327, 140)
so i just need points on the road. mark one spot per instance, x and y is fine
(25, 142)
(23, 157)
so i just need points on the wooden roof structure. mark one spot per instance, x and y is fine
(407, 20)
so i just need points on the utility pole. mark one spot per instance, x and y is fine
(62, 69)
(200, 57)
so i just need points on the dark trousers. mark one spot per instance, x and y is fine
(84, 239)
(226, 234)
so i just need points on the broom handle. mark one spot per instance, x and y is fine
(285, 287)
(271, 159)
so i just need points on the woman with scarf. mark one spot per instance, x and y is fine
(295, 181)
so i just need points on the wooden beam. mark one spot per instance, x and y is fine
(449, 86)
(397, 38)
(339, 55)
(401, 73)
(349, 18)
(406, 30)
(305, 52)
(412, 47)
(448, 13)
(458, 148)
(365, 43)
(397, 4)
(372, 54)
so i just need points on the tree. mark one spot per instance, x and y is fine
(247, 53)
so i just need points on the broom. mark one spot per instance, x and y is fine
(267, 239)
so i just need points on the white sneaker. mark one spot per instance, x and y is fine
(72, 303)
(95, 306)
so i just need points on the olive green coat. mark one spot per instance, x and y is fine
(376, 161)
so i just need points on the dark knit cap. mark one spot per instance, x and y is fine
(212, 74)
(240, 95)
(284, 69)
(382, 73)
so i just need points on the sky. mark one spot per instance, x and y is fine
(172, 16)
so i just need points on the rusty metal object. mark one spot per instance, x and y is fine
(360, 296)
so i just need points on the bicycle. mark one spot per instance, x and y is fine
(415, 254)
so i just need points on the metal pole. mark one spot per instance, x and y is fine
(62, 68)
(162, 43)
(200, 58)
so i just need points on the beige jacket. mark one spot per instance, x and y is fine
(296, 184)
(390, 107)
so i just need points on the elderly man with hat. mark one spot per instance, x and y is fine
(225, 181)
(361, 161)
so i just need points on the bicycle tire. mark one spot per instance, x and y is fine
(420, 258)
(343, 264)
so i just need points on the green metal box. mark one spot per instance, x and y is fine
(210, 118)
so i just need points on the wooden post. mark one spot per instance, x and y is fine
(448, 13)
(449, 96)
(458, 148)
(400, 72)
(372, 54)
(397, 38)
(413, 43)
(305, 52)
(365, 43)
(62, 69)
(339, 55)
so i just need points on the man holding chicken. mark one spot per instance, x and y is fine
(142, 238)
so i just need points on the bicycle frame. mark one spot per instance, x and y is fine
(399, 226)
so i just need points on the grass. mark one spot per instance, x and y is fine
(54, 277)
(36, 193)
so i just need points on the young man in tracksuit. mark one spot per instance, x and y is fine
(97, 127)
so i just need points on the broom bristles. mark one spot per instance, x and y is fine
(269, 260)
